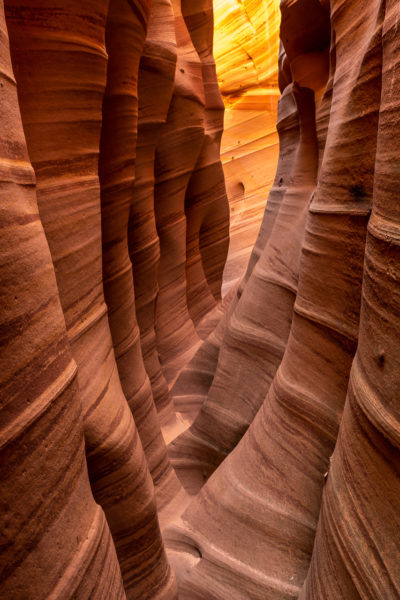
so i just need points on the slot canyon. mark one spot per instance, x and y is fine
(199, 300)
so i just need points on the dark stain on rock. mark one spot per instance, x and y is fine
(357, 191)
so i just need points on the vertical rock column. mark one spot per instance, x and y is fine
(206, 203)
(357, 546)
(156, 84)
(55, 541)
(288, 132)
(60, 62)
(197, 376)
(177, 154)
(254, 339)
(254, 521)
(125, 35)
(257, 332)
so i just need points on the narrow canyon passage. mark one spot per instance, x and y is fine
(199, 300)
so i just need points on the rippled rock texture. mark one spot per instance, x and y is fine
(246, 43)
(160, 439)
(45, 491)
(304, 501)
(98, 94)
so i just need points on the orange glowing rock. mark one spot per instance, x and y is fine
(246, 45)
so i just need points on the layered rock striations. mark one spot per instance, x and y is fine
(80, 69)
(255, 339)
(155, 87)
(240, 381)
(176, 155)
(193, 385)
(267, 492)
(125, 37)
(246, 43)
(45, 493)
(249, 89)
(357, 549)
(113, 238)
(62, 71)
(206, 203)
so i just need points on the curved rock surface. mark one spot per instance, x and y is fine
(267, 492)
(77, 66)
(357, 547)
(193, 385)
(176, 155)
(155, 87)
(249, 140)
(206, 203)
(254, 340)
(45, 493)
(117, 338)
(246, 42)
(125, 37)
(61, 69)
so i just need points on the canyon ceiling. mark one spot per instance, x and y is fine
(199, 300)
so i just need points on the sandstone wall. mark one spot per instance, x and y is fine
(303, 504)
(101, 86)
(158, 441)
(246, 44)
(45, 491)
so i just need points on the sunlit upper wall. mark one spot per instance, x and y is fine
(246, 44)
